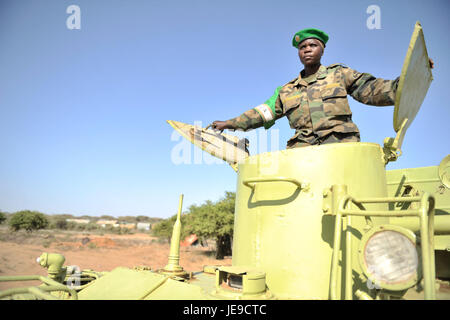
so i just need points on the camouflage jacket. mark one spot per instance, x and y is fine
(317, 105)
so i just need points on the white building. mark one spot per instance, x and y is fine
(143, 226)
(104, 223)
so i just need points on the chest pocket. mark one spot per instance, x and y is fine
(334, 98)
(291, 102)
(294, 109)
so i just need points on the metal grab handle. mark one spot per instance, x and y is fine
(249, 182)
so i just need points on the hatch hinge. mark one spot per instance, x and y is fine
(392, 146)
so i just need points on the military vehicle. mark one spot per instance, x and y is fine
(319, 222)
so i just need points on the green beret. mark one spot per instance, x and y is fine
(307, 34)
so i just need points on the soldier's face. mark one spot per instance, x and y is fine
(310, 51)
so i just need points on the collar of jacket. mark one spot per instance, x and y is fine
(320, 74)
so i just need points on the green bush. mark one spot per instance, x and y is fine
(2, 217)
(28, 220)
(125, 231)
(163, 229)
(80, 227)
(61, 224)
(91, 227)
(71, 225)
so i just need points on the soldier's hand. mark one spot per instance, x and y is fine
(219, 125)
(431, 63)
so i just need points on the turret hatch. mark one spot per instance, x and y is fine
(415, 79)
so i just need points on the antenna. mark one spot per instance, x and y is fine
(173, 267)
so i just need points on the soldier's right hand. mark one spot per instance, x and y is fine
(219, 125)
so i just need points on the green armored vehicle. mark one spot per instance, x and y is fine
(318, 222)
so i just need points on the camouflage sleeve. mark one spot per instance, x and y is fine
(264, 114)
(250, 119)
(367, 89)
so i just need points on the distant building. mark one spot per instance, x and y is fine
(143, 226)
(78, 220)
(105, 223)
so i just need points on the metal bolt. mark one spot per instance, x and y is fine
(441, 189)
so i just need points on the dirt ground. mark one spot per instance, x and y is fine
(19, 251)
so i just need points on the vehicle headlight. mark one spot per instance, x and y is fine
(389, 258)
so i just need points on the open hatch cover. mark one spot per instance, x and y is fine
(414, 82)
(223, 146)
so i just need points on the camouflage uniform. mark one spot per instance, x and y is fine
(317, 106)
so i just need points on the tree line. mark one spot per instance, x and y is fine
(34, 220)
(210, 220)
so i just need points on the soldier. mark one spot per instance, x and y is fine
(316, 101)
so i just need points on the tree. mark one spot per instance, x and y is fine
(106, 217)
(28, 220)
(142, 219)
(164, 228)
(60, 224)
(214, 220)
(2, 217)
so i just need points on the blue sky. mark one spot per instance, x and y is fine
(83, 112)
